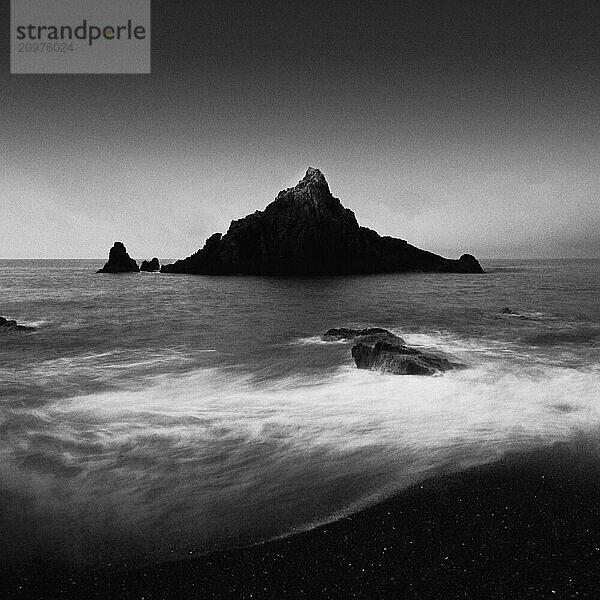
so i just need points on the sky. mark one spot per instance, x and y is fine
(459, 126)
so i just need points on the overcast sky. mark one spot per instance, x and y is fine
(472, 129)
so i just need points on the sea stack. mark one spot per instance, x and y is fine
(150, 265)
(307, 231)
(119, 261)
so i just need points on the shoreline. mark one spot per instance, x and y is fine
(525, 526)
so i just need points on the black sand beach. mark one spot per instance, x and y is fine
(527, 526)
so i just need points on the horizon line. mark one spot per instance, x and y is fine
(171, 258)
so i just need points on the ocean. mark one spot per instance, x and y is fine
(151, 417)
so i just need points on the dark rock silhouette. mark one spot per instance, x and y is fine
(306, 231)
(150, 265)
(370, 335)
(119, 261)
(10, 325)
(399, 359)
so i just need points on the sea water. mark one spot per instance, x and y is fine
(151, 417)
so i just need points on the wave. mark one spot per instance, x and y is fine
(112, 360)
(444, 341)
(36, 323)
(210, 459)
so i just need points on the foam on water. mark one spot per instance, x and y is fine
(317, 340)
(34, 323)
(207, 459)
(111, 362)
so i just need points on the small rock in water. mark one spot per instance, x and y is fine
(10, 325)
(119, 261)
(150, 265)
(370, 335)
(399, 359)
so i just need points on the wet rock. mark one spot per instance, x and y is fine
(150, 265)
(399, 359)
(370, 335)
(10, 325)
(119, 261)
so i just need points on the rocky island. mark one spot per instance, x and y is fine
(307, 231)
(119, 261)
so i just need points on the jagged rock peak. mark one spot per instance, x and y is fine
(313, 181)
(313, 177)
(312, 185)
(309, 199)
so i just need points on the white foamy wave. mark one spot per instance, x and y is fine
(36, 323)
(469, 351)
(158, 462)
(107, 366)
(392, 408)
(529, 314)
(443, 341)
(315, 340)
(28, 322)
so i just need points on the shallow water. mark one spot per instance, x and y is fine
(155, 416)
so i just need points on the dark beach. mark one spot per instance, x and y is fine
(526, 526)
